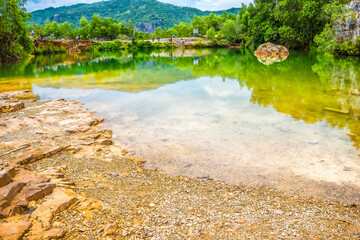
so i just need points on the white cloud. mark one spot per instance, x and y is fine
(214, 5)
(34, 5)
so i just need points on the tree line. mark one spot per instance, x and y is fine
(300, 24)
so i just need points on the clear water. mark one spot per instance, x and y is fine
(292, 125)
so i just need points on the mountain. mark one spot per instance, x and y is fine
(148, 11)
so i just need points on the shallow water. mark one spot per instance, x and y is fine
(219, 113)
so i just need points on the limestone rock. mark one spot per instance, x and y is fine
(4, 178)
(47, 188)
(32, 193)
(14, 229)
(349, 28)
(58, 202)
(54, 233)
(271, 50)
(30, 177)
(11, 107)
(11, 190)
(110, 229)
(77, 129)
(105, 142)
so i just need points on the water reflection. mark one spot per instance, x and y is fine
(271, 60)
(220, 111)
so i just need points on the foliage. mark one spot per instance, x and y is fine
(117, 45)
(14, 41)
(210, 34)
(294, 23)
(350, 47)
(135, 10)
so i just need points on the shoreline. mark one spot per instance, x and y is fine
(65, 145)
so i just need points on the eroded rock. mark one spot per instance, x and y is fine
(271, 50)
(4, 178)
(57, 202)
(14, 229)
(11, 107)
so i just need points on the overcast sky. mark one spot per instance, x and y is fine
(201, 4)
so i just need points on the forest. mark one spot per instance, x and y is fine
(297, 24)
(164, 14)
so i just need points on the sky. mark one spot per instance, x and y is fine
(33, 5)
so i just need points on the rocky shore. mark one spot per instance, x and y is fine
(61, 176)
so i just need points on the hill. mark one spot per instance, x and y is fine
(148, 11)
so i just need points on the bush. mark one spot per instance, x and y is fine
(223, 43)
(351, 48)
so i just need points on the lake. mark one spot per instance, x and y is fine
(221, 114)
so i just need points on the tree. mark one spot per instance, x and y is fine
(14, 34)
(183, 29)
(229, 30)
(84, 28)
(210, 34)
(200, 24)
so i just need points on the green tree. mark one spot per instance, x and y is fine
(210, 34)
(229, 30)
(14, 34)
(84, 28)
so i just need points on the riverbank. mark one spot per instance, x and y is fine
(101, 190)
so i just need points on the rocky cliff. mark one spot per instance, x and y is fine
(349, 28)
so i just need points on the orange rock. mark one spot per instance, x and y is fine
(47, 188)
(30, 177)
(11, 107)
(32, 193)
(54, 233)
(58, 202)
(110, 229)
(11, 190)
(14, 230)
(4, 178)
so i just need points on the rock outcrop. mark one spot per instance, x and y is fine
(349, 28)
(271, 50)
(31, 199)
(269, 53)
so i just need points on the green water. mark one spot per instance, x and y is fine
(220, 113)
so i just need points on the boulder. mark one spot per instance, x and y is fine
(11, 107)
(4, 178)
(271, 50)
(11, 190)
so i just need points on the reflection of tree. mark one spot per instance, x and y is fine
(302, 86)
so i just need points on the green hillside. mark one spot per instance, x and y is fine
(124, 10)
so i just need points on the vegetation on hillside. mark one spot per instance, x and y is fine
(299, 24)
(123, 11)
(14, 41)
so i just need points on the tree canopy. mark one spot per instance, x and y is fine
(14, 41)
